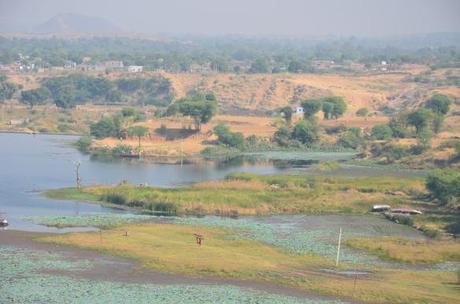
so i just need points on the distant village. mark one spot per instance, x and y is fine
(26, 64)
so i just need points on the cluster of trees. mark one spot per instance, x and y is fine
(71, 90)
(332, 107)
(120, 125)
(306, 131)
(199, 107)
(225, 54)
(228, 138)
(7, 89)
(424, 121)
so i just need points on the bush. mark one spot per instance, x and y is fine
(306, 131)
(444, 185)
(231, 139)
(382, 132)
(163, 208)
(106, 127)
(351, 139)
(363, 112)
(116, 199)
(393, 152)
(84, 143)
(121, 149)
(136, 204)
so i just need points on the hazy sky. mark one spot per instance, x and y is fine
(267, 17)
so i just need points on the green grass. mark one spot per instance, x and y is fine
(248, 194)
(72, 194)
(172, 249)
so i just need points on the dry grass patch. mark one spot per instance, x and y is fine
(409, 251)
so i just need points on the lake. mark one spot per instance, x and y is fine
(31, 164)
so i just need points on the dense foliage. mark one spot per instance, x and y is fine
(226, 137)
(231, 53)
(7, 89)
(200, 107)
(73, 89)
(444, 185)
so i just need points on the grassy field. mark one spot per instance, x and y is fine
(172, 249)
(247, 194)
(409, 251)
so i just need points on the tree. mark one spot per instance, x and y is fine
(398, 124)
(200, 109)
(382, 132)
(287, 114)
(35, 96)
(282, 136)
(351, 139)
(306, 131)
(311, 107)
(296, 66)
(106, 127)
(438, 104)
(444, 185)
(139, 132)
(7, 89)
(226, 137)
(420, 119)
(327, 108)
(340, 107)
(333, 107)
(259, 66)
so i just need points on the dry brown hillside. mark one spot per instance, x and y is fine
(258, 93)
(239, 94)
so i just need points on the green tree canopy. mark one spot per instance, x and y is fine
(382, 132)
(139, 132)
(444, 185)
(198, 107)
(311, 107)
(35, 96)
(306, 131)
(226, 137)
(7, 89)
(439, 104)
(420, 119)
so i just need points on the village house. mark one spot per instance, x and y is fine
(135, 68)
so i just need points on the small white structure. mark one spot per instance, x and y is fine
(299, 111)
(135, 68)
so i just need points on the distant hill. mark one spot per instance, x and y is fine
(72, 23)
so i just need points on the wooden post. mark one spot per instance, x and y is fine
(77, 173)
(338, 248)
(181, 152)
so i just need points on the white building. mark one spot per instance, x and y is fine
(135, 68)
(299, 111)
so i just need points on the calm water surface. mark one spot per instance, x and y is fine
(31, 164)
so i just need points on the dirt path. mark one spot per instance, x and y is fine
(122, 270)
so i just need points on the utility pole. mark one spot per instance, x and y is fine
(338, 248)
(181, 152)
(77, 173)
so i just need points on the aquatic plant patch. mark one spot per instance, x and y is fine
(105, 220)
(23, 283)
